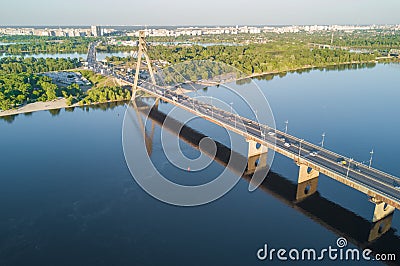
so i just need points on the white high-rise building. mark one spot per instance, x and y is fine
(96, 31)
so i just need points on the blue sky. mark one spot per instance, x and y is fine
(201, 12)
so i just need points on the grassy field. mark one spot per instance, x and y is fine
(97, 80)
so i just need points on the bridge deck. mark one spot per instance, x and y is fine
(376, 184)
(370, 181)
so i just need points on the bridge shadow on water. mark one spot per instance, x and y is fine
(379, 236)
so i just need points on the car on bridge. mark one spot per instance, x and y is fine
(341, 161)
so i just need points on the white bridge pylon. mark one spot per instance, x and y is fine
(142, 51)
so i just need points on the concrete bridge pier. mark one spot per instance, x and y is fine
(381, 210)
(257, 156)
(307, 181)
(306, 173)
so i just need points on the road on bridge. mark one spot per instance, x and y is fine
(382, 184)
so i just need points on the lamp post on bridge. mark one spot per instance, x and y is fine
(301, 141)
(370, 159)
(263, 131)
(348, 168)
(323, 140)
(286, 126)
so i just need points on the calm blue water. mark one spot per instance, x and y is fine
(100, 56)
(67, 197)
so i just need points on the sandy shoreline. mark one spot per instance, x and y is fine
(46, 106)
(38, 106)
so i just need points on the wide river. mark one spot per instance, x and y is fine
(68, 198)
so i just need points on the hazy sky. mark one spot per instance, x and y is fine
(200, 12)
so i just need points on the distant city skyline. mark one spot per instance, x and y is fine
(206, 12)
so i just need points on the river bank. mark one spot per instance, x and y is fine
(278, 72)
(309, 67)
(46, 106)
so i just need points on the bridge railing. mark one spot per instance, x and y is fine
(393, 178)
(268, 128)
(153, 90)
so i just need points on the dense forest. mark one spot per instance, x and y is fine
(104, 89)
(254, 58)
(380, 40)
(377, 39)
(30, 65)
(22, 88)
(21, 84)
(36, 44)
(105, 94)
